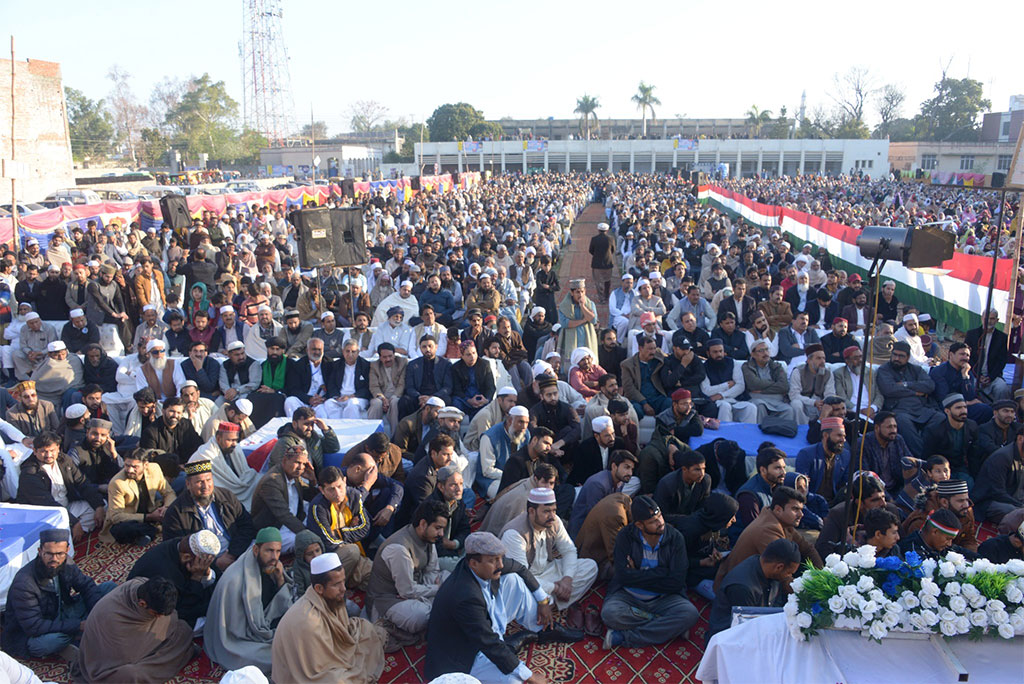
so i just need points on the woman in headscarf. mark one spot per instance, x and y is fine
(307, 547)
(705, 532)
(578, 316)
(584, 373)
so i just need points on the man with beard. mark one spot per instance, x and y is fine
(554, 414)
(599, 485)
(332, 336)
(497, 445)
(187, 562)
(172, 435)
(906, 389)
(248, 602)
(826, 464)
(230, 469)
(725, 386)
(352, 302)
(77, 334)
(387, 385)
(57, 373)
(680, 419)
(95, 455)
(910, 334)
(31, 415)
(49, 478)
(955, 436)
(535, 328)
(756, 493)
(205, 507)
(143, 413)
(239, 374)
(75, 294)
(428, 376)
(200, 369)
(360, 332)
(177, 335)
(105, 305)
(137, 499)
(198, 410)
(441, 300)
(593, 453)
(269, 397)
(620, 305)
(34, 338)
(951, 495)
(259, 336)
(43, 618)
(309, 379)
(300, 432)
(809, 383)
(151, 328)
(158, 372)
(296, 333)
(413, 428)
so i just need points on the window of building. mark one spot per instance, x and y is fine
(929, 162)
(1003, 162)
(966, 162)
(1005, 131)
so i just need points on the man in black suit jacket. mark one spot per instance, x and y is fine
(461, 636)
(592, 454)
(822, 310)
(988, 358)
(425, 377)
(350, 381)
(747, 306)
(298, 379)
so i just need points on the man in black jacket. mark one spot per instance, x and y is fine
(1001, 430)
(646, 602)
(451, 545)
(176, 438)
(42, 617)
(602, 261)
(205, 507)
(422, 479)
(49, 478)
(187, 563)
(1000, 484)
(988, 358)
(592, 454)
(683, 490)
(955, 436)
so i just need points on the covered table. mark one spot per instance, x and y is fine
(349, 432)
(762, 650)
(20, 526)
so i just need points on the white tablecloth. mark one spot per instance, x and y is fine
(20, 526)
(762, 651)
(349, 432)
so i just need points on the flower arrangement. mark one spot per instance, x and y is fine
(951, 596)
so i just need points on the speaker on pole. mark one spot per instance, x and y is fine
(313, 234)
(348, 187)
(998, 179)
(174, 210)
(349, 236)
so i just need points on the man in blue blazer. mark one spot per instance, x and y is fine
(826, 464)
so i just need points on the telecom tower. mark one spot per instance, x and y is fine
(268, 105)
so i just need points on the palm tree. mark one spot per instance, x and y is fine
(586, 107)
(645, 100)
(758, 117)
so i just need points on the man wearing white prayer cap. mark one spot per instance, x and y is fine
(33, 338)
(151, 328)
(231, 328)
(57, 373)
(78, 333)
(538, 539)
(157, 373)
(602, 261)
(490, 415)
(187, 562)
(909, 332)
(497, 445)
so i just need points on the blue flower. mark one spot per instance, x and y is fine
(888, 563)
(891, 584)
(816, 608)
(912, 558)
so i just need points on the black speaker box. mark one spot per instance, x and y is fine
(998, 179)
(415, 180)
(313, 234)
(349, 236)
(174, 210)
(348, 187)
(919, 174)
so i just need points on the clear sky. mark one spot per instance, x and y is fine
(529, 59)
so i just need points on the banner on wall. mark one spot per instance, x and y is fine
(471, 147)
(535, 145)
(957, 297)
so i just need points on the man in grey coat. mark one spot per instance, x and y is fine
(907, 389)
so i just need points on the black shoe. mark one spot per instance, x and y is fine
(560, 634)
(144, 540)
(521, 639)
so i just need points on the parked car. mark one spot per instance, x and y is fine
(118, 196)
(242, 186)
(76, 195)
(54, 203)
(24, 209)
(158, 191)
(285, 186)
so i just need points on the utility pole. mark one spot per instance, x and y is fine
(13, 173)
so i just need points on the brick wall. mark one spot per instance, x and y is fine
(42, 140)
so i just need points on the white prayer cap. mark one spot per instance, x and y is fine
(654, 275)
(76, 313)
(154, 344)
(188, 383)
(94, 263)
(56, 346)
(204, 542)
(482, 543)
(519, 411)
(226, 309)
(541, 495)
(601, 423)
(324, 563)
(264, 307)
(643, 281)
(537, 310)
(250, 674)
(507, 390)
(451, 412)
(627, 276)
(552, 353)
(602, 226)
(409, 262)
(326, 314)
(406, 283)
(75, 411)
(541, 367)
(435, 401)
(149, 307)
(244, 405)
(237, 344)
(31, 316)
(908, 317)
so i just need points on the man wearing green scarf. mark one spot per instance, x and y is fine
(268, 399)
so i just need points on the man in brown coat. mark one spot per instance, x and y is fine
(951, 494)
(387, 455)
(777, 521)
(596, 538)
(149, 285)
(135, 512)
(387, 385)
(281, 497)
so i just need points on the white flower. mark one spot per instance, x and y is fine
(995, 605)
(955, 558)
(946, 615)
(947, 627)
(797, 634)
(893, 607)
(928, 586)
(1016, 566)
(999, 617)
(866, 583)
(929, 617)
(978, 601)
(929, 601)
(963, 625)
(856, 601)
(869, 609)
(958, 604)
(928, 566)
(803, 620)
(947, 569)
(797, 584)
(917, 621)
(876, 595)
(878, 629)
(1014, 595)
(1017, 621)
(831, 560)
(791, 609)
(837, 604)
(969, 591)
(909, 600)
(841, 570)
(979, 618)
(847, 591)
(952, 589)
(1006, 631)
(867, 556)
(852, 558)
(891, 619)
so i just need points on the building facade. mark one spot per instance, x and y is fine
(336, 159)
(624, 129)
(952, 161)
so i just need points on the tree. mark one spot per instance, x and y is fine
(153, 145)
(758, 117)
(204, 119)
(952, 114)
(851, 91)
(486, 130)
(317, 130)
(586, 107)
(165, 96)
(412, 135)
(889, 102)
(90, 125)
(365, 115)
(453, 121)
(645, 100)
(129, 116)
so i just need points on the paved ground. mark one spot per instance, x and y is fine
(575, 261)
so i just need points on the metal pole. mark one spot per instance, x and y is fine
(995, 262)
(312, 136)
(1013, 278)
(14, 199)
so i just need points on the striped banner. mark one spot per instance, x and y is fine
(955, 293)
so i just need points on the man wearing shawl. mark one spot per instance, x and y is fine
(250, 599)
(230, 469)
(578, 316)
(316, 641)
(57, 373)
(133, 634)
(403, 299)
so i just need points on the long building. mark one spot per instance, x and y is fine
(617, 129)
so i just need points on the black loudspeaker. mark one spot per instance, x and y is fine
(920, 174)
(313, 233)
(415, 180)
(698, 178)
(174, 210)
(998, 179)
(349, 236)
(348, 187)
